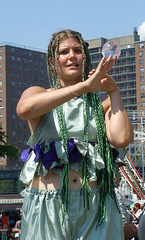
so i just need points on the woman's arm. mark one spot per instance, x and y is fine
(36, 101)
(118, 127)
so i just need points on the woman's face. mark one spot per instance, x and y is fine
(70, 61)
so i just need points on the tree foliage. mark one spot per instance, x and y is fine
(6, 149)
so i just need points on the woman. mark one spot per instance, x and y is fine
(69, 167)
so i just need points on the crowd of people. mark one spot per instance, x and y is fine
(10, 230)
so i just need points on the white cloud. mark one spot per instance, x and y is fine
(141, 31)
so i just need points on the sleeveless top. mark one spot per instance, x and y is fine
(46, 148)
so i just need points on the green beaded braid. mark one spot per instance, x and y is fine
(105, 176)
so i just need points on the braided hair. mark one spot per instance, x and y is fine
(106, 176)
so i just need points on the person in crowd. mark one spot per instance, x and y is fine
(10, 235)
(141, 228)
(69, 167)
(138, 210)
(17, 227)
(5, 223)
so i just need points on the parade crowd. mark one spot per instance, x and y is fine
(10, 226)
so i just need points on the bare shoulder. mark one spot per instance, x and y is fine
(33, 90)
(105, 102)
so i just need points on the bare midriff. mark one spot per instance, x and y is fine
(53, 182)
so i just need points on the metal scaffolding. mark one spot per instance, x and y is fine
(136, 153)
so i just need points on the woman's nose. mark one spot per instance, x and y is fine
(71, 54)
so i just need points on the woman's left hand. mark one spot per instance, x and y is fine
(107, 84)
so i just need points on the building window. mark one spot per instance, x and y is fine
(142, 104)
(19, 84)
(13, 125)
(142, 87)
(13, 133)
(141, 53)
(18, 59)
(18, 75)
(141, 45)
(1, 116)
(25, 61)
(141, 78)
(19, 93)
(13, 116)
(1, 99)
(0, 82)
(142, 95)
(13, 108)
(12, 58)
(0, 57)
(25, 53)
(18, 51)
(0, 90)
(0, 66)
(25, 126)
(0, 49)
(141, 70)
(13, 83)
(19, 142)
(1, 159)
(12, 74)
(19, 68)
(19, 125)
(19, 134)
(141, 61)
(36, 63)
(30, 54)
(12, 50)
(0, 74)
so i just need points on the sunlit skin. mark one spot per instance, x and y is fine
(70, 62)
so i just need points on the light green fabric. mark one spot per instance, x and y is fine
(41, 219)
(48, 130)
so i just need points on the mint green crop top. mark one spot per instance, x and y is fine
(48, 130)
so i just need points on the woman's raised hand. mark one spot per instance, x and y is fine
(98, 79)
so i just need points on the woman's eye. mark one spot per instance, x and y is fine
(78, 51)
(63, 52)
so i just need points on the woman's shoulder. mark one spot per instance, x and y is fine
(34, 90)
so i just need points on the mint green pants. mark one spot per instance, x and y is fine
(42, 220)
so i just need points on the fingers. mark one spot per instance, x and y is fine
(91, 72)
(108, 64)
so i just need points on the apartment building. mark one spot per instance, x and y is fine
(128, 70)
(20, 68)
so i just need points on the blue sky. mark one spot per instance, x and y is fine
(31, 23)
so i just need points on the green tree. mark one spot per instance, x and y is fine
(6, 149)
